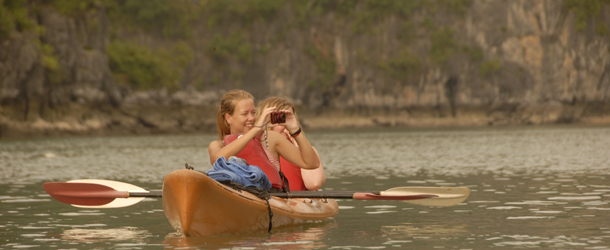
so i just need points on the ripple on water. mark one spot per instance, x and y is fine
(381, 212)
(346, 207)
(25, 246)
(547, 212)
(397, 241)
(116, 234)
(528, 241)
(33, 235)
(483, 201)
(381, 206)
(417, 182)
(25, 200)
(80, 214)
(574, 198)
(287, 243)
(529, 217)
(505, 208)
(594, 203)
(543, 203)
(599, 208)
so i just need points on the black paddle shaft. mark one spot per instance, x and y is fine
(321, 194)
(293, 194)
(154, 193)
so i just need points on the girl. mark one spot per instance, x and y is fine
(299, 179)
(239, 134)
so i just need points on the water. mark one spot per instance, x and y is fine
(532, 187)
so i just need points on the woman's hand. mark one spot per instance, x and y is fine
(262, 119)
(291, 124)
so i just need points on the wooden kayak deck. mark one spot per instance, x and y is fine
(197, 205)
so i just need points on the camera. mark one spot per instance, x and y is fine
(278, 117)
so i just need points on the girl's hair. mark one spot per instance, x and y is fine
(279, 102)
(227, 106)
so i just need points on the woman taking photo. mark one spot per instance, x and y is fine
(299, 179)
(241, 134)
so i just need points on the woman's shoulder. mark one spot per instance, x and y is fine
(216, 144)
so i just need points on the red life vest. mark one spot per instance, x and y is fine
(293, 174)
(255, 155)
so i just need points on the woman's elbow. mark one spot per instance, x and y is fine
(213, 159)
(315, 185)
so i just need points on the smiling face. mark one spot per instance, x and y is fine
(243, 117)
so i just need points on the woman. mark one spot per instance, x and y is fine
(299, 179)
(239, 134)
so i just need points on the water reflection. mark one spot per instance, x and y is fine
(100, 235)
(409, 230)
(301, 237)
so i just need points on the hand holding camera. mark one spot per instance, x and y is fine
(278, 117)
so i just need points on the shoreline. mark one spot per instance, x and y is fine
(128, 122)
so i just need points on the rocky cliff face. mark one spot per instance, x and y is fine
(467, 62)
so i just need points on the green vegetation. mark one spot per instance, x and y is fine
(402, 66)
(443, 45)
(51, 64)
(14, 16)
(233, 46)
(73, 8)
(459, 7)
(231, 41)
(602, 29)
(224, 11)
(325, 66)
(144, 68)
(584, 9)
(489, 67)
(475, 53)
(172, 18)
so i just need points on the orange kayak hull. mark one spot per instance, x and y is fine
(197, 205)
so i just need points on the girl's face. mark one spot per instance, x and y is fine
(278, 128)
(243, 117)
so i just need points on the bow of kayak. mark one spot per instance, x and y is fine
(197, 205)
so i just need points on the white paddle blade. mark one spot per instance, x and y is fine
(447, 196)
(116, 185)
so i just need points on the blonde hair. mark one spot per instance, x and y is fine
(279, 103)
(227, 106)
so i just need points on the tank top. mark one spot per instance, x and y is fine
(254, 153)
(291, 171)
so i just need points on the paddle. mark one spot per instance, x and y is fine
(104, 194)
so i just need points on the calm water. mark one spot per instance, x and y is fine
(532, 187)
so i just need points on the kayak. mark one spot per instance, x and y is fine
(197, 205)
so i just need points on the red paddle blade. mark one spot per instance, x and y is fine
(370, 196)
(85, 194)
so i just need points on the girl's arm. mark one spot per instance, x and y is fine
(314, 178)
(216, 149)
(303, 156)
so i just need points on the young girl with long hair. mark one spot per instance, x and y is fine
(241, 134)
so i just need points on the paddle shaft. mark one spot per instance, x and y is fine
(151, 194)
(102, 193)
(316, 194)
(293, 194)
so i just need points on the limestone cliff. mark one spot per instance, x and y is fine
(102, 66)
